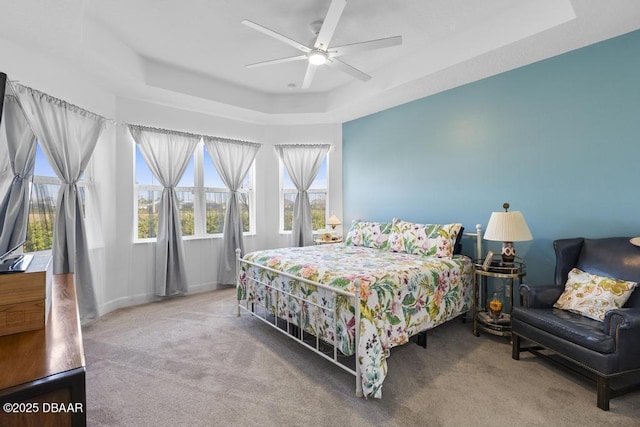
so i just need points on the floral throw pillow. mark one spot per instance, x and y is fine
(436, 240)
(369, 234)
(592, 296)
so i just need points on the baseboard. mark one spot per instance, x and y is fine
(139, 299)
(204, 287)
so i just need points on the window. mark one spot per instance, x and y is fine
(185, 191)
(42, 204)
(148, 192)
(317, 198)
(217, 196)
(202, 198)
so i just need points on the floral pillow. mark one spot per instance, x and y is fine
(424, 239)
(369, 234)
(592, 296)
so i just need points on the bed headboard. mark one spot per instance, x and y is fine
(457, 247)
(478, 241)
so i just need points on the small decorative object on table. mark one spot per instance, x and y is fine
(325, 238)
(487, 261)
(495, 307)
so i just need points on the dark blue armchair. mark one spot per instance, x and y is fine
(604, 350)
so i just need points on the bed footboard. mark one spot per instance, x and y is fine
(328, 320)
(291, 329)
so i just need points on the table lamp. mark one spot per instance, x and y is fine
(507, 227)
(333, 221)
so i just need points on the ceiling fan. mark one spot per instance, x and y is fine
(321, 53)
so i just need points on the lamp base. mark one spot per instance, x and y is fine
(508, 253)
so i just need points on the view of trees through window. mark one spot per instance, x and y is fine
(212, 191)
(42, 205)
(148, 200)
(214, 196)
(216, 207)
(317, 198)
(318, 201)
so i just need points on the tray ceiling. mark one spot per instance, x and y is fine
(192, 54)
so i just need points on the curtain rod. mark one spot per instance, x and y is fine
(75, 108)
(231, 140)
(164, 131)
(303, 145)
(59, 102)
(192, 135)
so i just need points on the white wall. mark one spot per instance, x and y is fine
(128, 268)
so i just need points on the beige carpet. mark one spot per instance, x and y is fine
(190, 361)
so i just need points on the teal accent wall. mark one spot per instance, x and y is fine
(559, 140)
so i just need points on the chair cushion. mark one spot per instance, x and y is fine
(566, 325)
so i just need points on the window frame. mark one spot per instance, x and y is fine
(199, 192)
(53, 179)
(283, 191)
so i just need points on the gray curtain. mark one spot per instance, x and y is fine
(303, 162)
(167, 154)
(68, 136)
(20, 142)
(232, 159)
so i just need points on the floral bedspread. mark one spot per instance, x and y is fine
(401, 295)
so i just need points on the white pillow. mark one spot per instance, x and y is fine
(592, 296)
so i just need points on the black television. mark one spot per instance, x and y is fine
(16, 140)
(3, 82)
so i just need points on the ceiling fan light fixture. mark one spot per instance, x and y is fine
(317, 57)
(320, 51)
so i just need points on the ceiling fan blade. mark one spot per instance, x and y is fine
(343, 66)
(329, 24)
(362, 46)
(277, 36)
(277, 61)
(308, 76)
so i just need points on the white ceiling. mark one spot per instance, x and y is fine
(192, 53)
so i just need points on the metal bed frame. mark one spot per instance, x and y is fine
(298, 333)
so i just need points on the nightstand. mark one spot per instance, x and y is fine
(482, 321)
(327, 242)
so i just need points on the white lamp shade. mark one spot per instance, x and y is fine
(507, 227)
(333, 220)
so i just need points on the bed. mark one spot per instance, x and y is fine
(385, 284)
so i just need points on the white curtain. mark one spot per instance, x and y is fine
(19, 142)
(232, 159)
(303, 162)
(6, 174)
(167, 154)
(68, 136)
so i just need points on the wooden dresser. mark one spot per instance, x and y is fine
(42, 372)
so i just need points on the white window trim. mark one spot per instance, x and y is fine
(284, 191)
(54, 180)
(199, 200)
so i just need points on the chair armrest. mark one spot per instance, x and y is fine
(540, 296)
(624, 326)
(622, 318)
